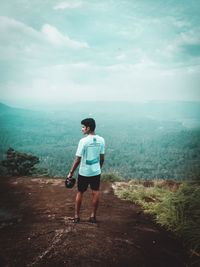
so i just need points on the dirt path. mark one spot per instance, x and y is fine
(35, 229)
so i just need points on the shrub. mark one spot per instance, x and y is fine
(18, 163)
(176, 207)
(181, 213)
(111, 177)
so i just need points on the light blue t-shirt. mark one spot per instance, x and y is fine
(89, 149)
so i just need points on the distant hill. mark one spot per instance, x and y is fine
(143, 140)
(4, 108)
(18, 116)
(155, 110)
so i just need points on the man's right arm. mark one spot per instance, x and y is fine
(74, 166)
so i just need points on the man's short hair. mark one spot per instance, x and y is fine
(89, 122)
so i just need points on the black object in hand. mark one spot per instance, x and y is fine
(70, 182)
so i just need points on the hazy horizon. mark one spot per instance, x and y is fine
(87, 104)
(59, 52)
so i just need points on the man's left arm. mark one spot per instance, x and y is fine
(101, 160)
(102, 152)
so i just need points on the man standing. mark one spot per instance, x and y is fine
(90, 156)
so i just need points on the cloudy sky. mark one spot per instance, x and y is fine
(55, 51)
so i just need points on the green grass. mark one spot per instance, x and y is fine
(175, 206)
(111, 177)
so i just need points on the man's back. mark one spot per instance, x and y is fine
(89, 149)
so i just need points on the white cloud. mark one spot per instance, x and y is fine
(21, 36)
(68, 4)
(142, 81)
(57, 38)
(47, 90)
(10, 26)
(133, 56)
(180, 23)
(191, 37)
(177, 47)
(121, 56)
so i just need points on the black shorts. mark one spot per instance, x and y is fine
(93, 181)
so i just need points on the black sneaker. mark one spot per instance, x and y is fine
(92, 220)
(76, 220)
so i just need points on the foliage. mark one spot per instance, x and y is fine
(111, 177)
(142, 192)
(181, 212)
(176, 207)
(136, 146)
(18, 163)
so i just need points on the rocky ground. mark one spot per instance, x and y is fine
(36, 230)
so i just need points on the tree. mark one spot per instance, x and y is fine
(18, 163)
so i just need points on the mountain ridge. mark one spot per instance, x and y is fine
(156, 110)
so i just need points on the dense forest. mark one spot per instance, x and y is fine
(147, 140)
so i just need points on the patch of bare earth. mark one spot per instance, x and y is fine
(36, 230)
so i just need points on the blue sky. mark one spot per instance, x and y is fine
(86, 50)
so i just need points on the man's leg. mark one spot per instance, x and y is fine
(82, 185)
(78, 202)
(95, 202)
